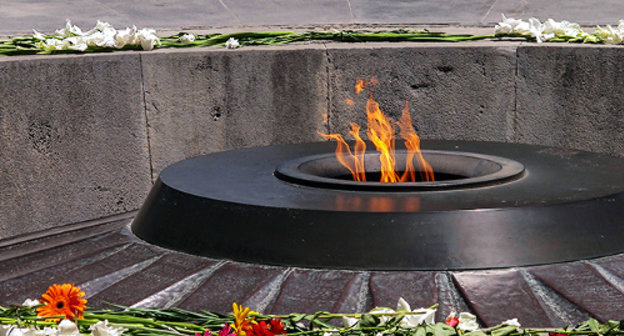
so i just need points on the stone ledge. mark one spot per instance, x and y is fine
(82, 136)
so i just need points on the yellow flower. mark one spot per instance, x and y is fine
(242, 321)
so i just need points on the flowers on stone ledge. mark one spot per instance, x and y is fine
(62, 312)
(103, 35)
(558, 31)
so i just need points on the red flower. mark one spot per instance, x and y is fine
(274, 327)
(277, 326)
(453, 321)
(260, 329)
(557, 334)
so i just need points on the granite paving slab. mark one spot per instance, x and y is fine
(500, 295)
(126, 270)
(586, 286)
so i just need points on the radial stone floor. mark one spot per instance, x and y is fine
(112, 265)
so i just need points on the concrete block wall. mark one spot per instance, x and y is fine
(84, 136)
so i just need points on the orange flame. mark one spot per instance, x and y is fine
(412, 143)
(381, 132)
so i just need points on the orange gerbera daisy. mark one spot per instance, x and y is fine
(62, 300)
(242, 323)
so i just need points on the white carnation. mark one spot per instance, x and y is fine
(425, 316)
(350, 322)
(232, 43)
(186, 38)
(467, 322)
(101, 328)
(30, 303)
(68, 328)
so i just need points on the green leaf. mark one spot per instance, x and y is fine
(443, 329)
(420, 331)
(294, 318)
(594, 325)
(369, 320)
(475, 333)
(503, 331)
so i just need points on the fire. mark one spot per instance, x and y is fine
(380, 131)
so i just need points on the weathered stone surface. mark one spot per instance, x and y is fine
(309, 291)
(570, 96)
(201, 101)
(585, 286)
(255, 287)
(455, 91)
(417, 288)
(584, 13)
(72, 140)
(293, 12)
(466, 12)
(497, 296)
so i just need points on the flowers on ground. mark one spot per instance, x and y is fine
(232, 43)
(186, 38)
(423, 316)
(62, 300)
(68, 328)
(541, 32)
(242, 321)
(610, 35)
(103, 35)
(274, 327)
(101, 328)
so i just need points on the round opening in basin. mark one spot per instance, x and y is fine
(451, 170)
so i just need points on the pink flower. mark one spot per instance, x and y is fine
(227, 331)
(206, 333)
(453, 321)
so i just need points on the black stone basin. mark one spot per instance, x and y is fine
(501, 205)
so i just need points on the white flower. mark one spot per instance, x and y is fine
(30, 303)
(38, 35)
(101, 328)
(512, 322)
(69, 30)
(186, 38)
(100, 26)
(412, 320)
(68, 328)
(511, 26)
(147, 38)
(350, 322)
(331, 332)
(562, 29)
(5, 330)
(467, 322)
(610, 35)
(232, 43)
(47, 331)
(125, 37)
(13, 330)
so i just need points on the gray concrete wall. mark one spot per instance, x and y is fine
(83, 137)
